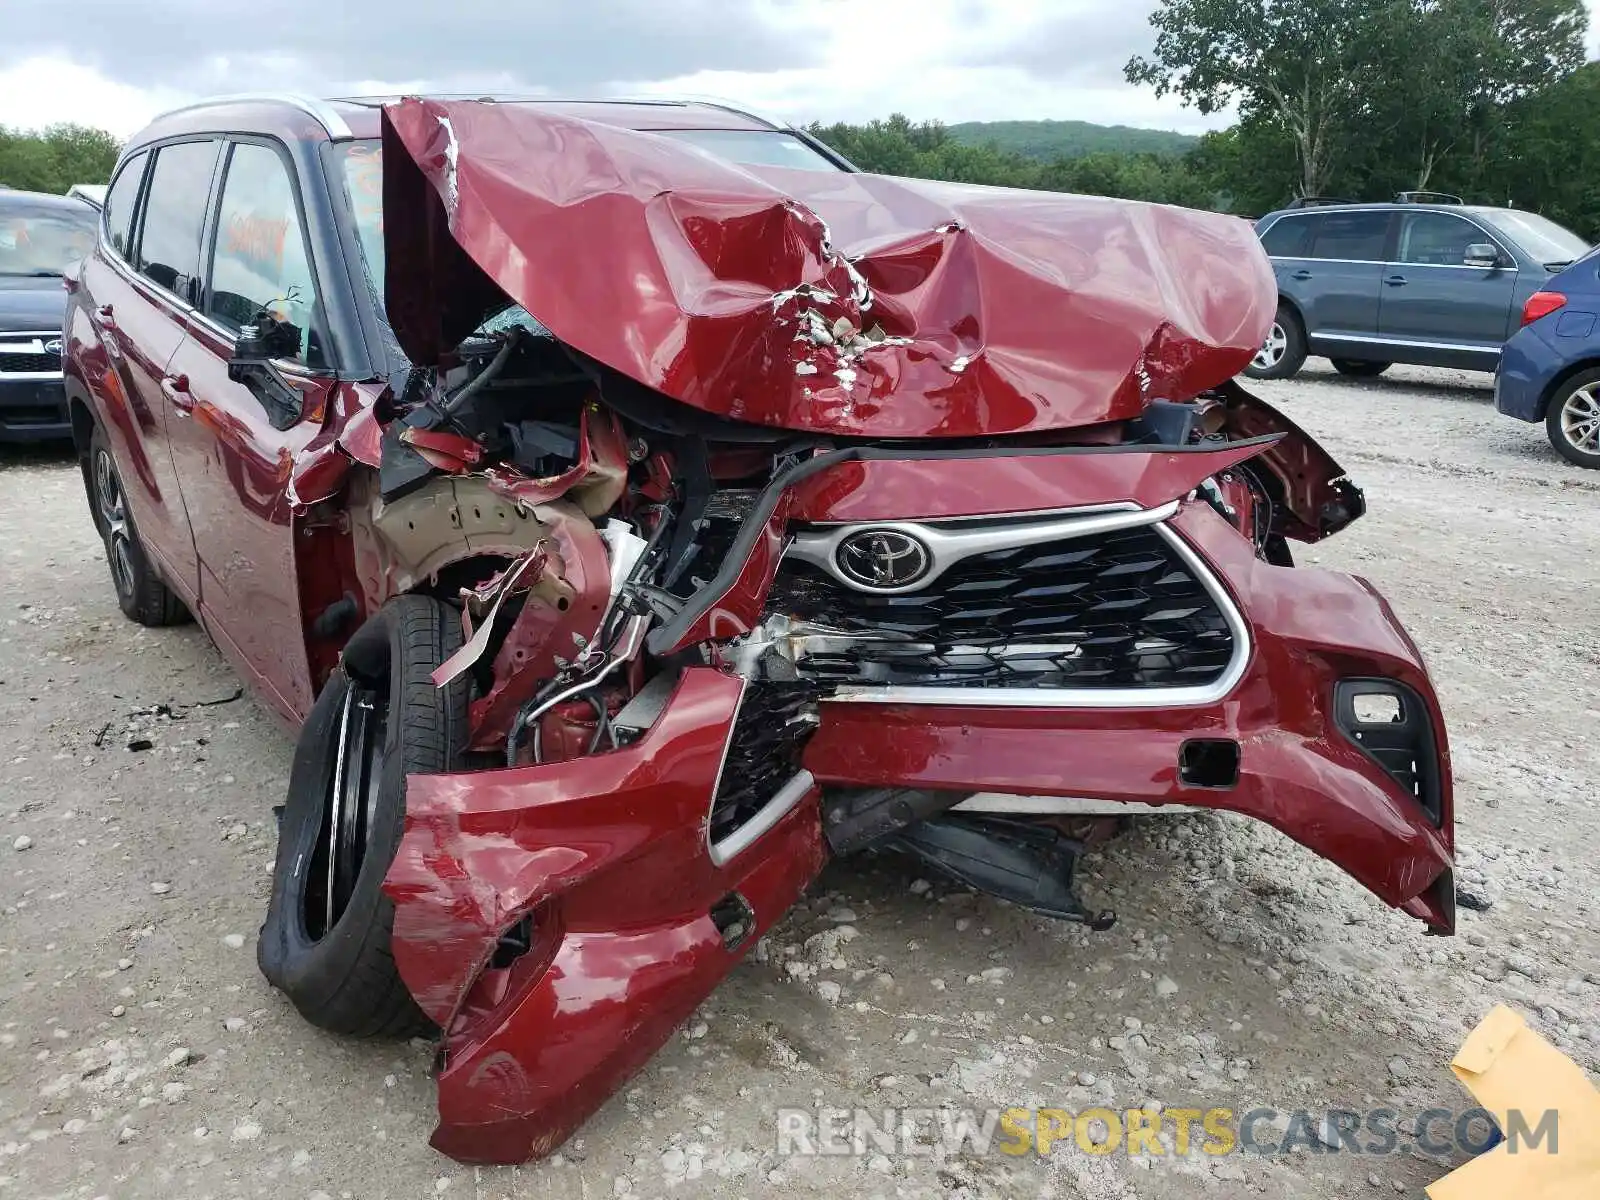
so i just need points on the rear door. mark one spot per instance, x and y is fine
(233, 463)
(1343, 277)
(1436, 306)
(141, 286)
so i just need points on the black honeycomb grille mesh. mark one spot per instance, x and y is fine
(1114, 610)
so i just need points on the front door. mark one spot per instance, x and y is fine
(1436, 303)
(233, 464)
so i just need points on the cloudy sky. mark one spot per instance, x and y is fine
(115, 63)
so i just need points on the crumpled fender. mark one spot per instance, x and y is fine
(609, 855)
(1318, 498)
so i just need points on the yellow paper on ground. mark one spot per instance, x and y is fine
(1509, 1068)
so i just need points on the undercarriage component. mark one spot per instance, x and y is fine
(1028, 864)
(853, 819)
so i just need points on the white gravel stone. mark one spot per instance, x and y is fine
(22, 842)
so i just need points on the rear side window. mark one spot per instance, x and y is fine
(120, 202)
(1290, 237)
(174, 212)
(260, 260)
(1352, 235)
(1437, 239)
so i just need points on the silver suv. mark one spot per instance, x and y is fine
(1423, 280)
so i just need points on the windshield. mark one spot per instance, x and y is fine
(755, 147)
(44, 241)
(1540, 237)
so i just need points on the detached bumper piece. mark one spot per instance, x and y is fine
(1030, 865)
(558, 922)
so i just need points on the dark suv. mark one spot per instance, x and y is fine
(41, 239)
(1434, 284)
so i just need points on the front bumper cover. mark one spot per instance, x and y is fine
(600, 872)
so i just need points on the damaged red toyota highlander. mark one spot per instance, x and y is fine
(633, 506)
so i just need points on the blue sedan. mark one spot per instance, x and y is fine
(1550, 369)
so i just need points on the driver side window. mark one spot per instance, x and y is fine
(260, 260)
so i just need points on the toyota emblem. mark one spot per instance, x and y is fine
(882, 560)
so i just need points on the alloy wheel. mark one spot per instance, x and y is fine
(114, 522)
(349, 808)
(1580, 420)
(1272, 350)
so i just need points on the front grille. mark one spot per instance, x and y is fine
(19, 363)
(1112, 610)
(775, 720)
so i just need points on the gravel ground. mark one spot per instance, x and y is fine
(142, 1055)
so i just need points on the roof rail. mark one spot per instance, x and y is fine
(1319, 201)
(657, 101)
(381, 98)
(320, 111)
(1423, 197)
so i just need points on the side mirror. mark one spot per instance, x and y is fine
(1481, 254)
(267, 337)
(260, 342)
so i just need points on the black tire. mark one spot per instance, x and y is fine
(1284, 352)
(1572, 420)
(1358, 368)
(141, 594)
(342, 976)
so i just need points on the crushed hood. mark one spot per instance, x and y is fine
(840, 303)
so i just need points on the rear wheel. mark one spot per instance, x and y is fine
(1283, 352)
(141, 594)
(1573, 420)
(1358, 368)
(325, 942)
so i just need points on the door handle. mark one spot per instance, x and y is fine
(176, 389)
(1396, 281)
(1301, 275)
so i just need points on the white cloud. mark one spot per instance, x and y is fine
(44, 91)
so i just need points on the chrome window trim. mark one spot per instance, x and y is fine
(1374, 340)
(1498, 239)
(784, 801)
(949, 545)
(1180, 697)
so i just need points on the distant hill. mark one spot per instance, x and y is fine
(1046, 140)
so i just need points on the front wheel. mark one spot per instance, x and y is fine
(325, 942)
(1573, 420)
(1358, 368)
(1283, 352)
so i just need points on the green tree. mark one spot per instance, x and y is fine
(1303, 65)
(53, 159)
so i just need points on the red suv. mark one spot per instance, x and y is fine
(633, 506)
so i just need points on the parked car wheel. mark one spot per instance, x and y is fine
(1573, 419)
(325, 942)
(1284, 352)
(1359, 368)
(140, 593)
